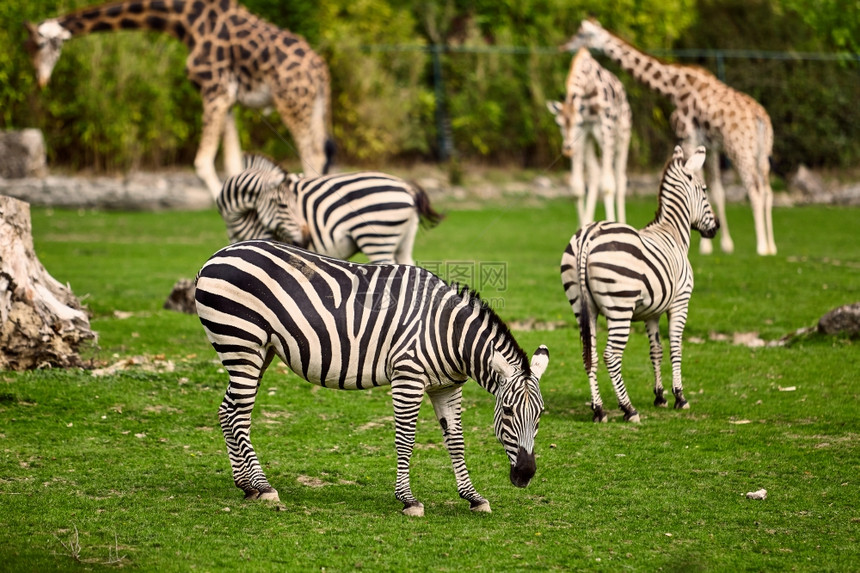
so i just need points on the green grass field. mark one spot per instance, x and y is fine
(130, 469)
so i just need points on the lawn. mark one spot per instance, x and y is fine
(129, 469)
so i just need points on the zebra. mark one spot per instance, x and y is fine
(626, 275)
(353, 326)
(336, 215)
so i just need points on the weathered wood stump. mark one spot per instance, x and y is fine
(42, 323)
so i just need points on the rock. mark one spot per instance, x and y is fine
(22, 154)
(181, 298)
(760, 494)
(845, 319)
(807, 182)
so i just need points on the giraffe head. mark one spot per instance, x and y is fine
(590, 35)
(44, 44)
(568, 118)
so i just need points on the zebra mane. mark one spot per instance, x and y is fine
(260, 162)
(672, 160)
(472, 298)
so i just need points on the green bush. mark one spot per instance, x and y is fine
(121, 101)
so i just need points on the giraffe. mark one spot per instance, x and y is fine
(234, 56)
(707, 112)
(595, 111)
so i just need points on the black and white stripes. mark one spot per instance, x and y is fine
(626, 275)
(336, 215)
(350, 326)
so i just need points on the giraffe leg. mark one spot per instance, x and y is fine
(622, 147)
(406, 393)
(718, 196)
(232, 148)
(768, 218)
(234, 415)
(592, 171)
(653, 328)
(447, 405)
(577, 174)
(403, 254)
(214, 116)
(307, 125)
(619, 332)
(608, 182)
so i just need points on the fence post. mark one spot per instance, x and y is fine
(443, 123)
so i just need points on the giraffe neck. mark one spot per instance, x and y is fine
(182, 19)
(667, 79)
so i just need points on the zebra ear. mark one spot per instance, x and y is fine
(540, 360)
(678, 153)
(696, 161)
(501, 366)
(554, 107)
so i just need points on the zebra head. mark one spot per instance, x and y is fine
(44, 44)
(519, 406)
(702, 216)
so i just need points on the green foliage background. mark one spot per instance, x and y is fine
(119, 101)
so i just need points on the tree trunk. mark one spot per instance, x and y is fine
(42, 323)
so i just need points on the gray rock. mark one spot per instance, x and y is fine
(845, 319)
(181, 298)
(22, 154)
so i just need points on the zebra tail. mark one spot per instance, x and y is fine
(585, 298)
(429, 217)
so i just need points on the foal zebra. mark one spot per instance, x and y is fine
(350, 326)
(626, 275)
(335, 215)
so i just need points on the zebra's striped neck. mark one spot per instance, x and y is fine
(484, 333)
(674, 212)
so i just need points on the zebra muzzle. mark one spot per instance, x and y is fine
(523, 470)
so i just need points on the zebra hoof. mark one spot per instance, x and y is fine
(252, 494)
(682, 405)
(481, 507)
(632, 417)
(660, 401)
(269, 495)
(415, 509)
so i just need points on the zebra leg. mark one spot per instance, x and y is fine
(619, 332)
(446, 404)
(589, 351)
(653, 327)
(677, 321)
(403, 254)
(406, 393)
(235, 417)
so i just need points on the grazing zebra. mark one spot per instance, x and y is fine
(335, 215)
(350, 326)
(626, 275)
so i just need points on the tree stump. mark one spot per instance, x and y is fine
(42, 323)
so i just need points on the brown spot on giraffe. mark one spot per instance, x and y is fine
(225, 61)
